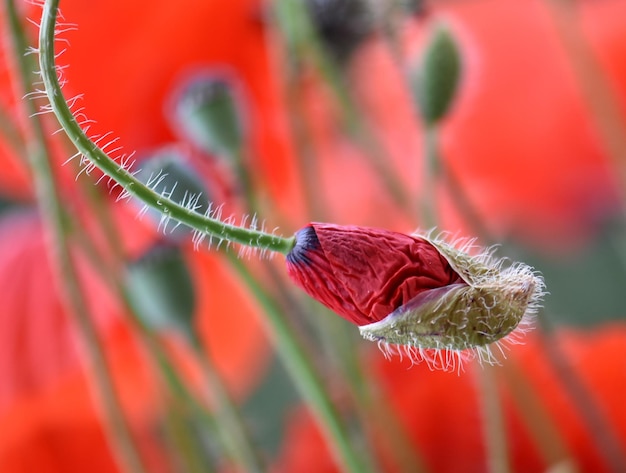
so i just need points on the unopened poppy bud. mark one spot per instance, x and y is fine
(208, 112)
(161, 289)
(342, 25)
(412, 290)
(436, 80)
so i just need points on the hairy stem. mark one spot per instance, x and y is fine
(132, 185)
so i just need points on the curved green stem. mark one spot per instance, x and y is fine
(185, 446)
(132, 185)
(52, 209)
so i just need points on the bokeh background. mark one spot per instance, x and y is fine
(531, 156)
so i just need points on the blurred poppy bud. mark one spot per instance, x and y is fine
(169, 174)
(342, 25)
(208, 113)
(412, 290)
(161, 290)
(417, 8)
(435, 81)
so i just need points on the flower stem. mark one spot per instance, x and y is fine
(186, 448)
(51, 207)
(305, 376)
(132, 185)
(607, 440)
(493, 421)
(180, 433)
(232, 429)
(295, 21)
(11, 134)
(181, 399)
(431, 177)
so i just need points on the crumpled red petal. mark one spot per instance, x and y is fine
(362, 273)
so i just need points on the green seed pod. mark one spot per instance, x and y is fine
(208, 113)
(437, 78)
(488, 305)
(161, 289)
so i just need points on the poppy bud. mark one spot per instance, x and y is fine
(436, 81)
(161, 289)
(342, 25)
(412, 290)
(209, 112)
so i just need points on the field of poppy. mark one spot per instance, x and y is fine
(312, 236)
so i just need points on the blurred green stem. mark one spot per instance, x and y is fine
(536, 416)
(303, 373)
(231, 428)
(167, 374)
(376, 412)
(493, 421)
(607, 442)
(295, 22)
(11, 134)
(431, 170)
(601, 98)
(182, 434)
(244, 180)
(436, 168)
(58, 221)
(184, 445)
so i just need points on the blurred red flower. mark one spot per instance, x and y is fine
(40, 351)
(45, 402)
(519, 140)
(50, 420)
(441, 412)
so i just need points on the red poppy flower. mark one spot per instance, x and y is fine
(40, 363)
